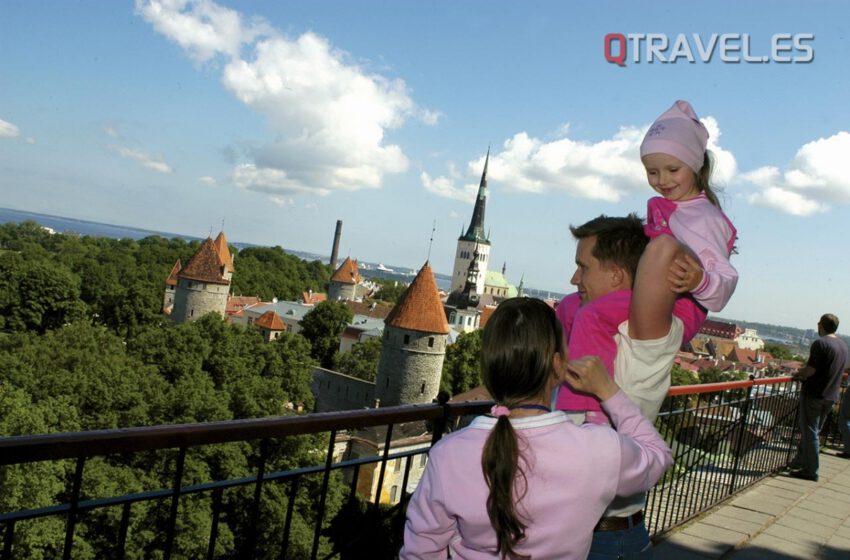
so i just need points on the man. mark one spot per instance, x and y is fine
(821, 384)
(648, 337)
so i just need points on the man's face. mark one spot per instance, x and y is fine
(592, 278)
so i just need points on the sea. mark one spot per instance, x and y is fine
(74, 226)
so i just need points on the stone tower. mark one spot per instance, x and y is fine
(170, 288)
(474, 239)
(413, 346)
(203, 285)
(343, 283)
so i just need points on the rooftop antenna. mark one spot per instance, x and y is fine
(431, 242)
(222, 224)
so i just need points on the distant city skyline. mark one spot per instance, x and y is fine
(282, 117)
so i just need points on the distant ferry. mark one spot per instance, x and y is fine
(384, 268)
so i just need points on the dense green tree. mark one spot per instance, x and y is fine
(681, 376)
(388, 290)
(462, 367)
(716, 375)
(269, 272)
(37, 294)
(361, 361)
(323, 327)
(782, 352)
(83, 346)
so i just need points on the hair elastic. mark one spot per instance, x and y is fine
(500, 410)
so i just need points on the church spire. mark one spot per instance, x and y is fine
(476, 226)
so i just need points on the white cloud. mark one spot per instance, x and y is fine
(201, 27)
(725, 167)
(814, 180)
(30, 140)
(283, 201)
(111, 132)
(207, 180)
(605, 170)
(145, 159)
(268, 180)
(786, 201)
(8, 130)
(329, 115)
(446, 187)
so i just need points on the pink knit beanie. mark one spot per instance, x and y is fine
(678, 133)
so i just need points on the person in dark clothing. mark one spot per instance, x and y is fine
(821, 385)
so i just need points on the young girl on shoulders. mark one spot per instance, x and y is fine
(685, 268)
(523, 481)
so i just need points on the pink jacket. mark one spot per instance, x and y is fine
(573, 473)
(590, 330)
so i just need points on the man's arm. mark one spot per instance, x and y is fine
(803, 373)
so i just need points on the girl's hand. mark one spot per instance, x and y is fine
(588, 375)
(685, 274)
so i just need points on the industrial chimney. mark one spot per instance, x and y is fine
(335, 250)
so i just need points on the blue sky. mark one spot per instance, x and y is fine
(282, 117)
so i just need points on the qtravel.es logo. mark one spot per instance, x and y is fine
(637, 48)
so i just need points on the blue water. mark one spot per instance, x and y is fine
(84, 227)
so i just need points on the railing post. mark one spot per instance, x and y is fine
(744, 419)
(293, 492)
(258, 494)
(440, 424)
(122, 531)
(216, 507)
(7, 540)
(320, 512)
(72, 512)
(388, 439)
(175, 502)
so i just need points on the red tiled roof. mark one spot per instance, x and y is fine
(235, 304)
(419, 307)
(172, 276)
(271, 320)
(373, 309)
(686, 365)
(313, 297)
(486, 313)
(347, 273)
(224, 251)
(721, 329)
(479, 393)
(205, 265)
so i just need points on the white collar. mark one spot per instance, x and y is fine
(523, 423)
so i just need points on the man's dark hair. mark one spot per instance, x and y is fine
(829, 323)
(619, 241)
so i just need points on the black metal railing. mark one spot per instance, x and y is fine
(724, 437)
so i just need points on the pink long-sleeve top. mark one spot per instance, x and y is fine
(704, 228)
(573, 473)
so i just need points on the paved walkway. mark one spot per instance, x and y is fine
(778, 519)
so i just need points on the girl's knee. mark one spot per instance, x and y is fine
(663, 248)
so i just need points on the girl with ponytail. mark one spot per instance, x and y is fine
(525, 482)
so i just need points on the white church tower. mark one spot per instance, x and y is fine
(473, 240)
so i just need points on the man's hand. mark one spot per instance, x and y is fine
(685, 274)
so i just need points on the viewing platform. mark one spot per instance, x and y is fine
(779, 518)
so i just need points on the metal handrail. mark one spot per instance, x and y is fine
(727, 451)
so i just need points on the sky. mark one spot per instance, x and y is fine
(278, 118)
